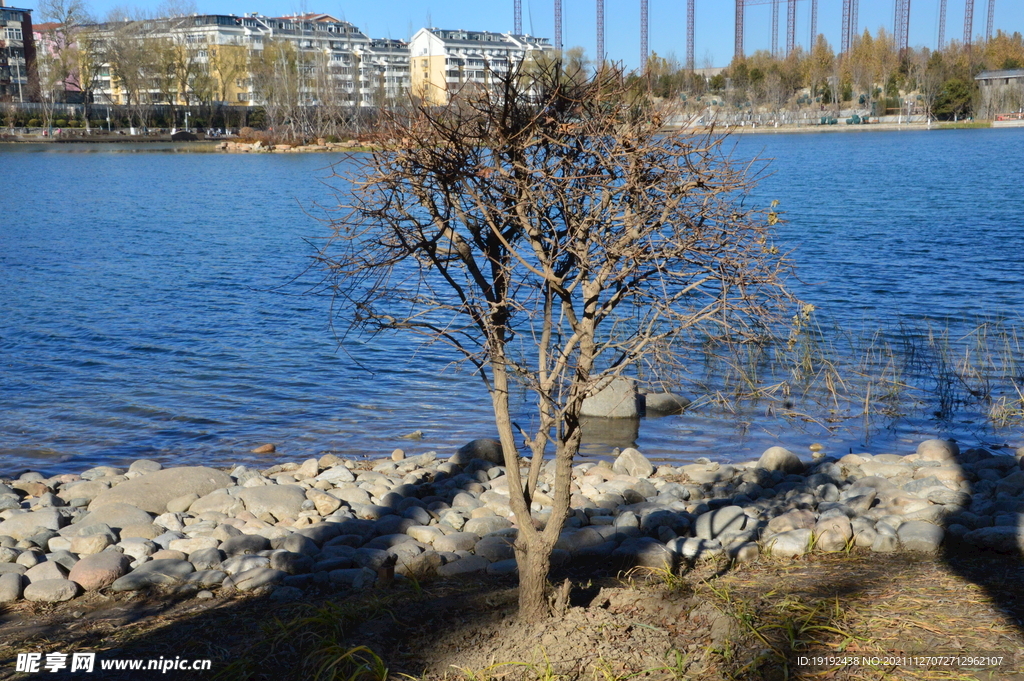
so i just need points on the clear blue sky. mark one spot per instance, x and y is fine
(713, 25)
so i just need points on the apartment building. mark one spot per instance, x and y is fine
(445, 61)
(18, 78)
(313, 59)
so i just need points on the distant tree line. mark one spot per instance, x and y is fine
(875, 76)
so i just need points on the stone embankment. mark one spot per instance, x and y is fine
(319, 145)
(333, 524)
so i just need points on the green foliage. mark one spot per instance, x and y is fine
(33, 122)
(954, 100)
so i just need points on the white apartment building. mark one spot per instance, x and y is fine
(446, 61)
(321, 59)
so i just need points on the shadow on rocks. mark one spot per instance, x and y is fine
(984, 542)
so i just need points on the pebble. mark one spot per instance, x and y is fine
(331, 523)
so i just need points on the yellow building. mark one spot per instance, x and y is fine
(442, 62)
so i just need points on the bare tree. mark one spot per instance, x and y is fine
(554, 236)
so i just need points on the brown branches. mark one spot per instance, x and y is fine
(555, 235)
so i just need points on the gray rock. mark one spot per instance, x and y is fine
(632, 462)
(884, 543)
(245, 544)
(789, 544)
(99, 570)
(165, 572)
(713, 523)
(51, 591)
(12, 568)
(919, 536)
(657, 404)
(242, 563)
(1004, 539)
(486, 525)
(457, 541)
(217, 501)
(335, 475)
(152, 491)
(644, 552)
(144, 466)
(485, 449)
(464, 566)
(291, 563)
(833, 534)
(298, 543)
(616, 398)
(281, 501)
(255, 578)
(355, 578)
(24, 525)
(495, 548)
(204, 578)
(8, 555)
(45, 571)
(780, 459)
(206, 559)
(503, 567)
(11, 585)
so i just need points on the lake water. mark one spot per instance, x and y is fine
(151, 302)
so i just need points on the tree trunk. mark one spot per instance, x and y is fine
(534, 565)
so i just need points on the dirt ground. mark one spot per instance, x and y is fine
(864, 615)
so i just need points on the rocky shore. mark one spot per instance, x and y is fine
(319, 145)
(334, 524)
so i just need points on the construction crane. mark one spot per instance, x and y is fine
(991, 19)
(942, 24)
(643, 35)
(600, 33)
(558, 25)
(775, 28)
(814, 23)
(901, 25)
(968, 22)
(790, 27)
(517, 19)
(849, 24)
(689, 35)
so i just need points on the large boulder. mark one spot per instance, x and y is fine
(664, 404)
(117, 516)
(51, 591)
(944, 451)
(780, 459)
(616, 398)
(99, 570)
(152, 491)
(484, 448)
(281, 501)
(632, 462)
(24, 525)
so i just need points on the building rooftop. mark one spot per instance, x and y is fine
(1007, 73)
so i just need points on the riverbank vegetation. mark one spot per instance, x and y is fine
(874, 77)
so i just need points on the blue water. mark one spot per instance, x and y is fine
(153, 304)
